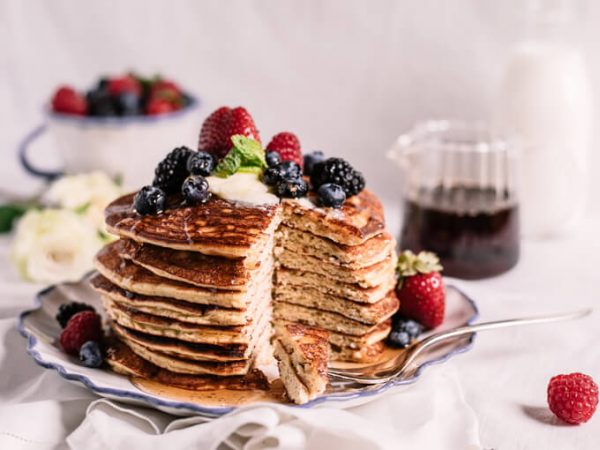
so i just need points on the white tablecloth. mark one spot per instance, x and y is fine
(491, 397)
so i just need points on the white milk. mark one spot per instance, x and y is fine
(546, 100)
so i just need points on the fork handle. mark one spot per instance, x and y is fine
(485, 326)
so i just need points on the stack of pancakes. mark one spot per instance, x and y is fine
(189, 291)
(335, 271)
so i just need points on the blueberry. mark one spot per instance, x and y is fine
(311, 159)
(331, 194)
(100, 103)
(149, 200)
(127, 104)
(291, 188)
(90, 354)
(195, 190)
(287, 170)
(201, 163)
(413, 328)
(399, 339)
(273, 158)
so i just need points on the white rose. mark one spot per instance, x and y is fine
(88, 194)
(54, 245)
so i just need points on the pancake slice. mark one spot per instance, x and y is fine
(364, 354)
(304, 350)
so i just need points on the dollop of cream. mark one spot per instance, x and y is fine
(242, 187)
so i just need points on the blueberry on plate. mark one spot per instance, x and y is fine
(68, 310)
(404, 332)
(272, 158)
(331, 194)
(292, 188)
(149, 200)
(311, 159)
(90, 354)
(195, 190)
(287, 170)
(201, 163)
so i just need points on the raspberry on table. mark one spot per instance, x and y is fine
(82, 327)
(573, 398)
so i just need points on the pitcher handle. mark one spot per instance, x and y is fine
(23, 148)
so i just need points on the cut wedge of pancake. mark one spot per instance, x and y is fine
(367, 313)
(358, 220)
(363, 354)
(308, 352)
(297, 279)
(366, 254)
(218, 227)
(171, 308)
(320, 319)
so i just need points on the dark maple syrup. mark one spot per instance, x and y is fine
(474, 230)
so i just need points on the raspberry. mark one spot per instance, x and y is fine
(127, 83)
(67, 100)
(171, 171)
(82, 327)
(288, 147)
(340, 172)
(573, 397)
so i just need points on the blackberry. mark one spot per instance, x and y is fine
(90, 354)
(404, 331)
(311, 160)
(195, 190)
(272, 158)
(331, 194)
(149, 200)
(68, 310)
(201, 163)
(100, 103)
(287, 170)
(171, 171)
(338, 171)
(294, 188)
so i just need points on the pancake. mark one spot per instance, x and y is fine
(171, 308)
(351, 256)
(131, 277)
(217, 227)
(366, 277)
(298, 279)
(123, 360)
(159, 326)
(320, 319)
(368, 313)
(307, 351)
(359, 219)
(377, 334)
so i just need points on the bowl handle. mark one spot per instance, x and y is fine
(24, 158)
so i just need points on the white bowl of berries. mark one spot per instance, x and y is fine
(120, 126)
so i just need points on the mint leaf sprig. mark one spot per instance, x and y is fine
(246, 155)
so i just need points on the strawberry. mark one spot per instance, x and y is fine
(82, 327)
(165, 90)
(158, 106)
(67, 100)
(288, 147)
(421, 288)
(120, 85)
(223, 123)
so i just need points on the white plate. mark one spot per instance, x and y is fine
(41, 329)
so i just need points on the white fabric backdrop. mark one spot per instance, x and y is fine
(348, 77)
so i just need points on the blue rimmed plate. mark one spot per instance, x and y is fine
(41, 330)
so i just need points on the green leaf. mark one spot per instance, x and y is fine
(246, 155)
(229, 165)
(8, 215)
(82, 209)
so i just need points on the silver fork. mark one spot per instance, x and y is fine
(387, 370)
